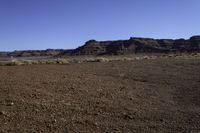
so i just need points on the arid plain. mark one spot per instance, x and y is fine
(149, 95)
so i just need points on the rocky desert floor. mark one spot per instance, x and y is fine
(153, 96)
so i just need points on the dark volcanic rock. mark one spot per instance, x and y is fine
(91, 47)
(3, 54)
(138, 45)
(195, 42)
(195, 38)
(32, 53)
(119, 47)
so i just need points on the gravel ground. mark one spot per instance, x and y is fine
(160, 95)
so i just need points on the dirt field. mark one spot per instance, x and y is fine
(161, 95)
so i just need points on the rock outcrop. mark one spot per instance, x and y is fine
(32, 53)
(120, 47)
(138, 45)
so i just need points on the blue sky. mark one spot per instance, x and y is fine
(42, 24)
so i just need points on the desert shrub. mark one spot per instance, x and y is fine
(99, 59)
(128, 59)
(46, 61)
(62, 61)
(34, 62)
(27, 62)
(170, 55)
(137, 58)
(102, 59)
(19, 62)
(77, 61)
(41, 62)
(89, 60)
(194, 54)
(15, 62)
(146, 57)
(153, 57)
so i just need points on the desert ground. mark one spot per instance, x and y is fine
(139, 96)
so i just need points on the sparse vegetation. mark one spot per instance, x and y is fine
(102, 59)
(15, 62)
(64, 61)
(20, 62)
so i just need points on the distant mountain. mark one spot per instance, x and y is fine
(32, 53)
(138, 45)
(120, 47)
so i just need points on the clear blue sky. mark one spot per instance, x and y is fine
(42, 24)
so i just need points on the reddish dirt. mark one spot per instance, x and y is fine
(161, 95)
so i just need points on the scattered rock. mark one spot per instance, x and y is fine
(54, 121)
(2, 112)
(122, 88)
(162, 120)
(10, 104)
(131, 98)
(128, 116)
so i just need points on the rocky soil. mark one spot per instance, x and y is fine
(161, 95)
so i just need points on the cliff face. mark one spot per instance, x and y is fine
(138, 45)
(119, 47)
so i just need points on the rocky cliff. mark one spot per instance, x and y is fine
(138, 45)
(120, 47)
